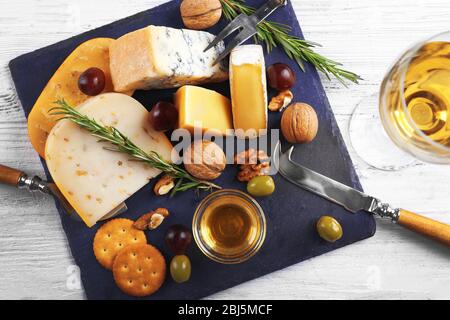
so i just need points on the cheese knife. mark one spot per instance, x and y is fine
(19, 179)
(247, 26)
(353, 200)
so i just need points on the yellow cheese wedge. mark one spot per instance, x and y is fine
(248, 90)
(64, 84)
(95, 180)
(203, 109)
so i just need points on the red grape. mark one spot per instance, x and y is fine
(281, 76)
(92, 81)
(163, 116)
(178, 238)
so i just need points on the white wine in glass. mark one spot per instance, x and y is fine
(414, 110)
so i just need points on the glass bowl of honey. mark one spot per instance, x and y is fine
(229, 226)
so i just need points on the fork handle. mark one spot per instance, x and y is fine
(266, 10)
(430, 228)
(10, 176)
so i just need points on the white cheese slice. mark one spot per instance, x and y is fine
(95, 180)
(160, 57)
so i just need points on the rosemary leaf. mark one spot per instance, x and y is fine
(118, 142)
(275, 34)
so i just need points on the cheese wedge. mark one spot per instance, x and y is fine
(160, 57)
(204, 109)
(64, 84)
(248, 90)
(95, 180)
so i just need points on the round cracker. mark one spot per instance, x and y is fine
(112, 237)
(139, 270)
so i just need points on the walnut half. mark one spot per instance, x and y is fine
(151, 220)
(252, 163)
(164, 185)
(281, 101)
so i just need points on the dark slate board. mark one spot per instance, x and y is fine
(291, 212)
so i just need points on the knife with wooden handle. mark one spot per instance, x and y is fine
(433, 229)
(354, 200)
(19, 179)
(10, 176)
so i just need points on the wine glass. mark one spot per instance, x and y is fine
(410, 118)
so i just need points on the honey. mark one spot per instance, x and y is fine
(229, 226)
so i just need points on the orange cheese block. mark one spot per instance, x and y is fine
(64, 84)
(203, 109)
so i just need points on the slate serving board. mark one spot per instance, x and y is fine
(291, 213)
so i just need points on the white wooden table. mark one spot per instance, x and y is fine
(365, 35)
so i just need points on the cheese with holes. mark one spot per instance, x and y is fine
(204, 109)
(248, 90)
(95, 180)
(160, 57)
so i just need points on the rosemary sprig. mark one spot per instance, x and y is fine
(120, 143)
(275, 34)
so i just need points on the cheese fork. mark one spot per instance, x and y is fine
(354, 200)
(247, 26)
(19, 179)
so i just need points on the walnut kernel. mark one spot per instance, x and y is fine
(252, 164)
(164, 185)
(151, 220)
(281, 101)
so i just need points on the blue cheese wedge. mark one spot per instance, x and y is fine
(160, 57)
(95, 180)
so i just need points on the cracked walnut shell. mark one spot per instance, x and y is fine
(299, 123)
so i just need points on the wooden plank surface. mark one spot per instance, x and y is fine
(366, 36)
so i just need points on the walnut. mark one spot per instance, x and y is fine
(248, 172)
(200, 14)
(281, 101)
(251, 156)
(163, 185)
(299, 123)
(151, 220)
(204, 160)
(252, 164)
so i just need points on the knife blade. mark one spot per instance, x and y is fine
(354, 200)
(351, 199)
